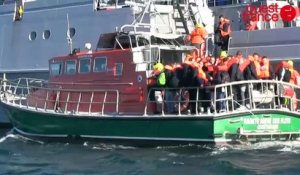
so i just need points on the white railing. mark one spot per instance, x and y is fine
(234, 97)
(38, 95)
(223, 99)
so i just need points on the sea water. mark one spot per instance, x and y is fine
(20, 155)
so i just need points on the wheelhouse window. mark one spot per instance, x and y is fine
(56, 69)
(100, 64)
(85, 65)
(119, 69)
(70, 67)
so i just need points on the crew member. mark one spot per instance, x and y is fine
(198, 37)
(19, 13)
(159, 77)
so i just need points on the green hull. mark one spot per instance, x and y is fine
(262, 125)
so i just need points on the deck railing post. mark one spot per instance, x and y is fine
(197, 101)
(78, 103)
(179, 101)
(91, 101)
(56, 104)
(103, 103)
(117, 105)
(45, 105)
(163, 102)
(67, 101)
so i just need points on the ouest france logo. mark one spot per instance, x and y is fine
(269, 13)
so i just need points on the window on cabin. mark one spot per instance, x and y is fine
(70, 67)
(100, 64)
(119, 69)
(85, 65)
(55, 69)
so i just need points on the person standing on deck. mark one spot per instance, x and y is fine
(266, 70)
(284, 74)
(222, 77)
(159, 81)
(223, 32)
(198, 37)
(171, 82)
(235, 75)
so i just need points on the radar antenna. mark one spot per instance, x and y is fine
(69, 39)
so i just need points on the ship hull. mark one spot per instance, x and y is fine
(234, 128)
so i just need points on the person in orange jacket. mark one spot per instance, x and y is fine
(266, 70)
(251, 26)
(198, 37)
(295, 78)
(204, 79)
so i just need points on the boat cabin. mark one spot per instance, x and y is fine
(111, 79)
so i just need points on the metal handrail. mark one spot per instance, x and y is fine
(275, 96)
(10, 94)
(16, 93)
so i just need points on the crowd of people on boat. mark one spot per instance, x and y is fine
(199, 70)
(207, 71)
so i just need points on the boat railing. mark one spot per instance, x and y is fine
(224, 99)
(47, 97)
(141, 28)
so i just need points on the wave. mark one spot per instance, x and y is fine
(12, 135)
(287, 146)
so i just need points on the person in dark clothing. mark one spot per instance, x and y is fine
(221, 77)
(235, 75)
(223, 32)
(284, 74)
(171, 82)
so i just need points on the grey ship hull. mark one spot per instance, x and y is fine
(20, 54)
(22, 57)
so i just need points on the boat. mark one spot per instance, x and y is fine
(69, 29)
(50, 28)
(104, 94)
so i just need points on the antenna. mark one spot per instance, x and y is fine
(69, 39)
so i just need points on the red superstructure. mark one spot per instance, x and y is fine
(103, 81)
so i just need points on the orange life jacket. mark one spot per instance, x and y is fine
(244, 65)
(257, 68)
(210, 67)
(223, 32)
(252, 26)
(198, 35)
(222, 68)
(202, 75)
(265, 70)
(232, 61)
(295, 77)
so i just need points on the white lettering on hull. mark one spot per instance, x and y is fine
(267, 123)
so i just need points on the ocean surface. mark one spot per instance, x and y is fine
(19, 155)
